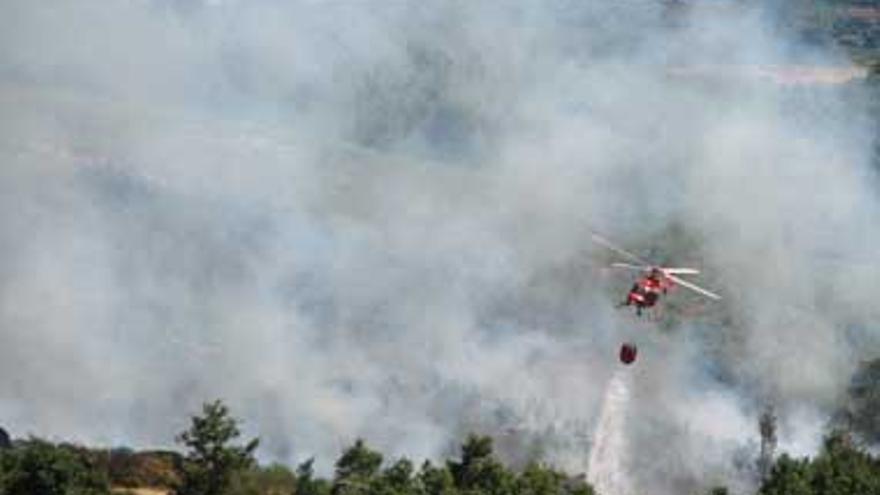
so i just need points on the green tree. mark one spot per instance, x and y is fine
(539, 480)
(307, 484)
(42, 468)
(579, 486)
(479, 471)
(842, 469)
(862, 413)
(5, 440)
(212, 459)
(397, 479)
(356, 470)
(435, 480)
(788, 477)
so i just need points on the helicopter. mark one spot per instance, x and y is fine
(653, 281)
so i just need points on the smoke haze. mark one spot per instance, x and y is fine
(373, 219)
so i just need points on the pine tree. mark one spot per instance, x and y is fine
(212, 459)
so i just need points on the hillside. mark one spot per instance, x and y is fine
(377, 220)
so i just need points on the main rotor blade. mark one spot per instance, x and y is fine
(681, 271)
(605, 242)
(629, 266)
(694, 287)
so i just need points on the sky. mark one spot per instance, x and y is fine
(373, 219)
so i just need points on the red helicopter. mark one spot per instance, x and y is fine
(653, 282)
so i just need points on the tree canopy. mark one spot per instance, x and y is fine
(36, 466)
(212, 459)
(840, 469)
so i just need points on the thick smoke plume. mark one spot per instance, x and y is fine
(373, 219)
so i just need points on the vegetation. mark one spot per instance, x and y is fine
(860, 414)
(130, 469)
(307, 484)
(215, 464)
(275, 479)
(37, 467)
(851, 24)
(212, 461)
(841, 468)
(5, 441)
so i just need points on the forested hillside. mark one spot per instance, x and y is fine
(369, 227)
(215, 461)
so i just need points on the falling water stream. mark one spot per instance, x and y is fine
(608, 457)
